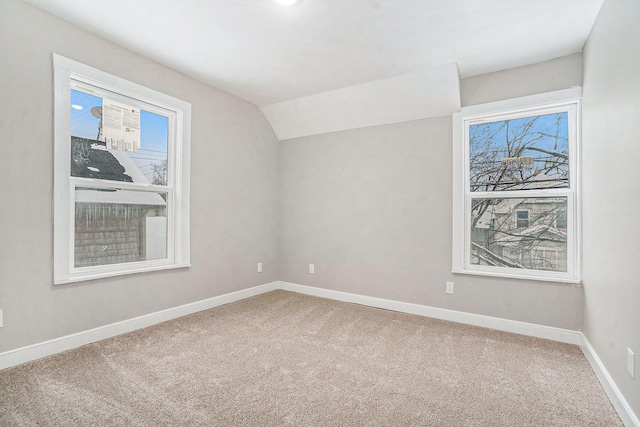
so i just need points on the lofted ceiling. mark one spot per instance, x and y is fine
(266, 53)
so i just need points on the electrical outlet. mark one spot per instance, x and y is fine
(449, 288)
(631, 363)
(312, 269)
(1, 321)
(259, 267)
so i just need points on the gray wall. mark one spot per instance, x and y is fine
(371, 208)
(234, 193)
(611, 112)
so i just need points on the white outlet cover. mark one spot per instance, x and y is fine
(449, 288)
(631, 363)
(259, 267)
(312, 268)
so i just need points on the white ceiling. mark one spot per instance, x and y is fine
(265, 53)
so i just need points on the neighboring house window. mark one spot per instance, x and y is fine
(121, 176)
(561, 220)
(516, 188)
(522, 219)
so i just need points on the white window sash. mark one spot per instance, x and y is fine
(114, 268)
(565, 100)
(70, 74)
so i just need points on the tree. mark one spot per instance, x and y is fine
(159, 173)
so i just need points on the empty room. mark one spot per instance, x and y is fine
(319, 212)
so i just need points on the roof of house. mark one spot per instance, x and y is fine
(91, 159)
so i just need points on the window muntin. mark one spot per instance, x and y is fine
(527, 168)
(120, 205)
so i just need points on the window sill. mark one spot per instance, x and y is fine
(565, 280)
(82, 277)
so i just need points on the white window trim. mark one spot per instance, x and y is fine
(461, 227)
(66, 70)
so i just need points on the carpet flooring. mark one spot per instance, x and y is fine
(283, 358)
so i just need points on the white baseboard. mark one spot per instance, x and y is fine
(523, 328)
(618, 401)
(58, 345)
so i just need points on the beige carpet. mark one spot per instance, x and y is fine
(287, 359)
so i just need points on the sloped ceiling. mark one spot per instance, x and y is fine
(431, 93)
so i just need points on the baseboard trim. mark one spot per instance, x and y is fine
(58, 345)
(616, 397)
(523, 328)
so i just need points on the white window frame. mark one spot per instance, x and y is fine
(525, 106)
(70, 74)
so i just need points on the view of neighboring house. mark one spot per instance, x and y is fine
(521, 232)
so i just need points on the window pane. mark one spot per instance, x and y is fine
(116, 226)
(519, 233)
(90, 157)
(520, 154)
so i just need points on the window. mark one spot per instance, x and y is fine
(516, 183)
(561, 220)
(522, 219)
(121, 176)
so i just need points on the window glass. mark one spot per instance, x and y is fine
(91, 158)
(519, 233)
(519, 154)
(114, 226)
